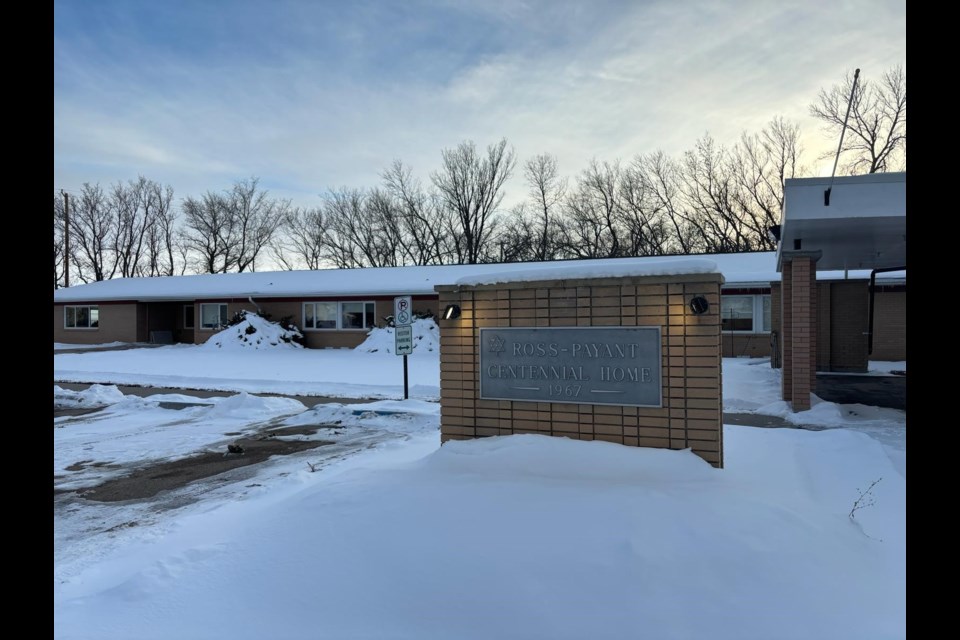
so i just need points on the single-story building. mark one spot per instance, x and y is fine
(335, 308)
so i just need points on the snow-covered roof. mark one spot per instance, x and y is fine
(581, 269)
(738, 269)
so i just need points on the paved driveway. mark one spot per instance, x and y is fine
(877, 391)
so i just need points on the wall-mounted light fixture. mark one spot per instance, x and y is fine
(699, 305)
(452, 311)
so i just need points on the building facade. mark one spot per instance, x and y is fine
(336, 308)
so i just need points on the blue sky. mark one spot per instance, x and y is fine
(314, 95)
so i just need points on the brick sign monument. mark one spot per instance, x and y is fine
(620, 356)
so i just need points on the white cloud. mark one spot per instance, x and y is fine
(640, 77)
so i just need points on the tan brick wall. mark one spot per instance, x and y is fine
(691, 361)
(849, 301)
(823, 326)
(118, 323)
(890, 326)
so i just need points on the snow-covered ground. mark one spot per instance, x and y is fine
(750, 385)
(345, 373)
(135, 430)
(524, 536)
(63, 346)
(886, 366)
(392, 536)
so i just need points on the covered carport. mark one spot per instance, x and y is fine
(845, 223)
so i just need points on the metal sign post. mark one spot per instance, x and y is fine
(403, 334)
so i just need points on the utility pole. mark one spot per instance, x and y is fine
(66, 238)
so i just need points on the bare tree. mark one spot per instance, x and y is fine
(423, 222)
(92, 228)
(343, 210)
(519, 237)
(470, 188)
(759, 164)
(256, 218)
(58, 241)
(547, 190)
(133, 212)
(877, 128)
(163, 235)
(302, 244)
(229, 230)
(642, 218)
(709, 195)
(662, 178)
(590, 225)
(207, 232)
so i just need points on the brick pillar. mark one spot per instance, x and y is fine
(803, 358)
(786, 331)
(813, 325)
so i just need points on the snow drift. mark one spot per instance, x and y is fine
(426, 337)
(254, 332)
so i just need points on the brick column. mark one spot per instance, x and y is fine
(814, 307)
(802, 339)
(786, 331)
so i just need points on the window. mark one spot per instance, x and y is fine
(213, 316)
(357, 315)
(188, 316)
(745, 313)
(320, 315)
(81, 317)
(339, 315)
(736, 313)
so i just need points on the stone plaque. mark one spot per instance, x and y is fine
(585, 365)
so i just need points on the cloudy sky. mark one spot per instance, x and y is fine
(309, 95)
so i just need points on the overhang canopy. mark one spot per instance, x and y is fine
(863, 227)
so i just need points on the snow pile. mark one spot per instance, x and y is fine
(97, 395)
(254, 332)
(426, 337)
(561, 538)
(244, 405)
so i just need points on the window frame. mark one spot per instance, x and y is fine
(193, 310)
(757, 317)
(219, 327)
(339, 315)
(88, 307)
(761, 314)
(314, 303)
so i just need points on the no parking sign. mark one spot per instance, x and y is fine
(402, 311)
(403, 334)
